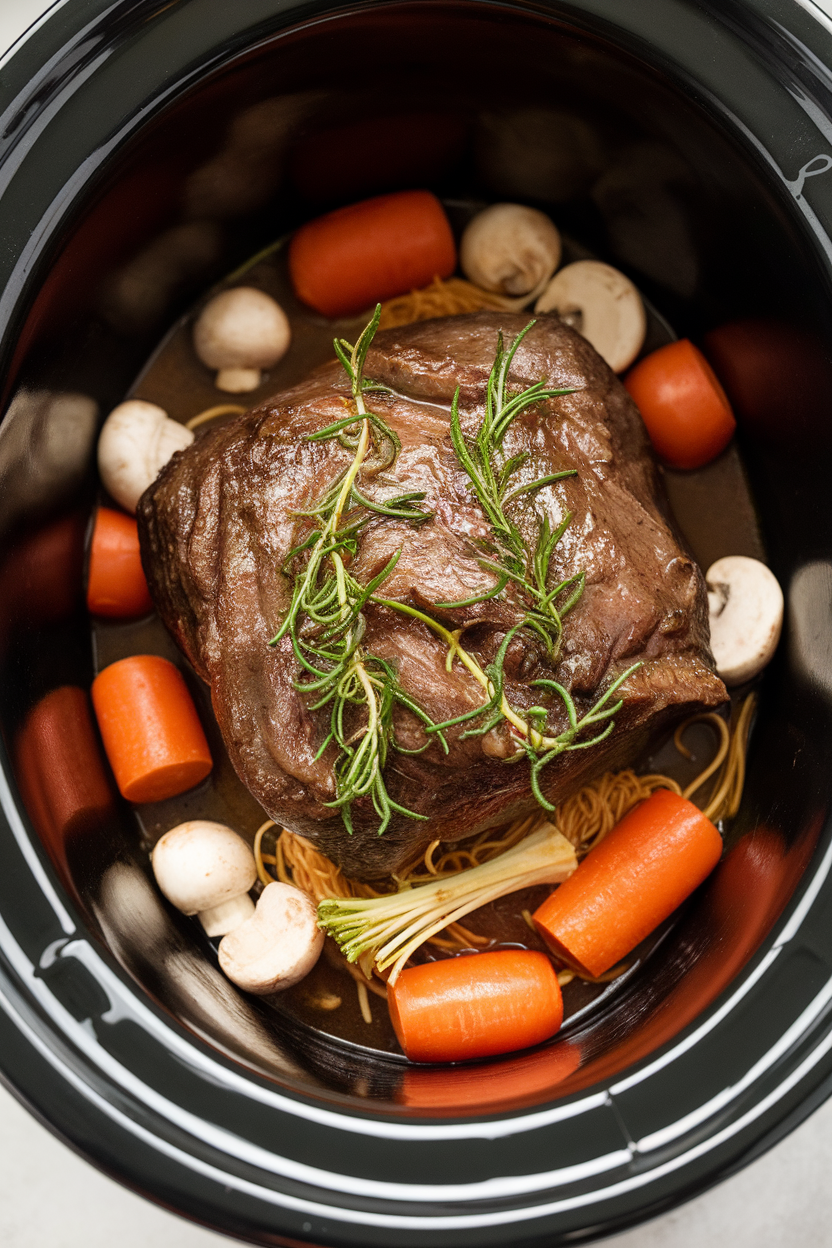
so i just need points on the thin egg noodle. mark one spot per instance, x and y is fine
(453, 297)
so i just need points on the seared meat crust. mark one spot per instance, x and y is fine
(218, 522)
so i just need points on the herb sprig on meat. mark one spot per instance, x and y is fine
(326, 620)
(529, 568)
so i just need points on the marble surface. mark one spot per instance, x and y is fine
(48, 1195)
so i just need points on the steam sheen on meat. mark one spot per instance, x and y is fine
(218, 522)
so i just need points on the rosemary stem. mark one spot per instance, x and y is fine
(450, 639)
(352, 473)
(371, 696)
(536, 739)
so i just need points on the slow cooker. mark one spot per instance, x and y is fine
(691, 145)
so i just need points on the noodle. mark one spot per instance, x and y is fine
(259, 858)
(364, 1001)
(211, 413)
(451, 298)
(592, 812)
(584, 819)
(727, 791)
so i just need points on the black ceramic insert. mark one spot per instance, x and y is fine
(145, 150)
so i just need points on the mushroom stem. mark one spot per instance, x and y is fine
(520, 302)
(227, 916)
(237, 380)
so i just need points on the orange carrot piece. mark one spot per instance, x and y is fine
(116, 584)
(683, 405)
(642, 870)
(344, 262)
(150, 728)
(61, 772)
(475, 1005)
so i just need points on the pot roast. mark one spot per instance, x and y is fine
(218, 523)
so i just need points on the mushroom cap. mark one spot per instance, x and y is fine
(200, 864)
(510, 249)
(606, 308)
(746, 611)
(242, 328)
(278, 946)
(136, 441)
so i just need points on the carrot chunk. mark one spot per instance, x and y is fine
(475, 1006)
(345, 261)
(684, 407)
(643, 869)
(61, 772)
(150, 728)
(116, 584)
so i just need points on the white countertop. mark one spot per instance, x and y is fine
(50, 1196)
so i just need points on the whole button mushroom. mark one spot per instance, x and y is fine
(240, 332)
(602, 305)
(136, 441)
(746, 610)
(206, 869)
(278, 946)
(510, 249)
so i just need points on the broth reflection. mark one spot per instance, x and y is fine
(528, 1079)
(148, 942)
(61, 773)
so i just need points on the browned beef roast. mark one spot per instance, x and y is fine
(217, 524)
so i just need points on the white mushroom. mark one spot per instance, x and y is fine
(135, 443)
(277, 946)
(746, 609)
(240, 332)
(602, 305)
(510, 249)
(204, 868)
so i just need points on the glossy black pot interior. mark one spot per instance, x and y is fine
(678, 144)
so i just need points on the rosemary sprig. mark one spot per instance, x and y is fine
(477, 456)
(529, 570)
(490, 481)
(529, 731)
(325, 621)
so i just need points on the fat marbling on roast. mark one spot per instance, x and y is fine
(218, 522)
